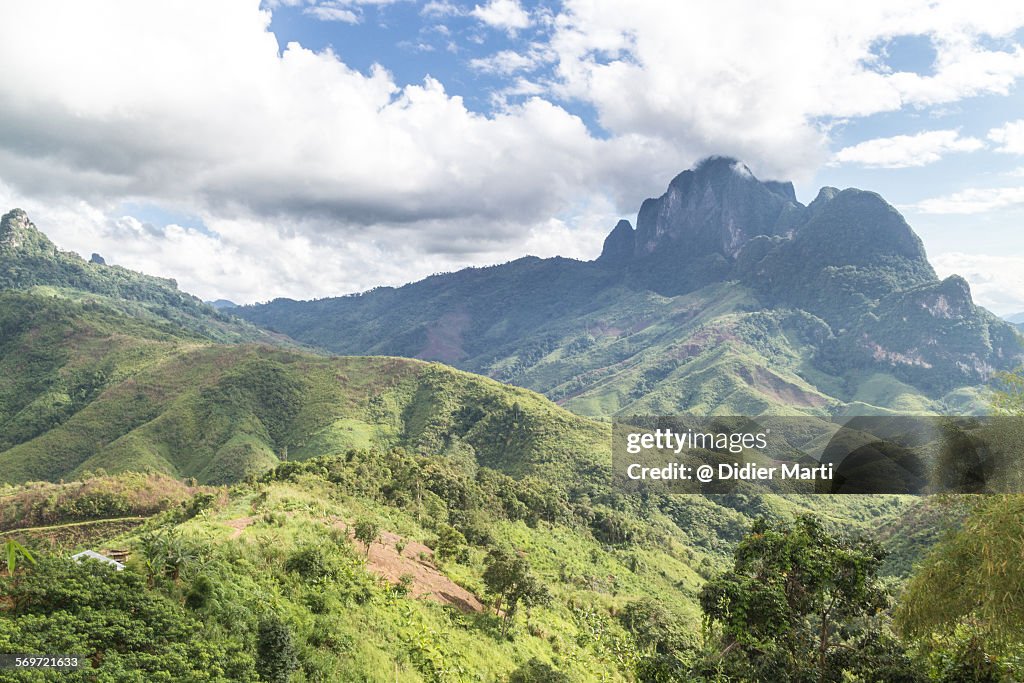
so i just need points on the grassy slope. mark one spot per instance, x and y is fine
(86, 388)
(57, 356)
(90, 383)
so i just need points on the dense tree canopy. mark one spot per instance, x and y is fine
(128, 632)
(801, 604)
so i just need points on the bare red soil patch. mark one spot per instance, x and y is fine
(416, 561)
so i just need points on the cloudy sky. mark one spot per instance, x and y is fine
(308, 148)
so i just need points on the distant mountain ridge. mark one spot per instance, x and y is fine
(729, 295)
(29, 261)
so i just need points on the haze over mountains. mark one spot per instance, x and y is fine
(728, 296)
(107, 370)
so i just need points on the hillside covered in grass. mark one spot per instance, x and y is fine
(379, 565)
(89, 386)
(620, 577)
(292, 516)
(221, 413)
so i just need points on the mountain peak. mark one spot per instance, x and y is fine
(619, 245)
(18, 235)
(714, 209)
(865, 225)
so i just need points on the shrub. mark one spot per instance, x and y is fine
(536, 671)
(366, 532)
(311, 564)
(276, 656)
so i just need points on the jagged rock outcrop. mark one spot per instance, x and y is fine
(18, 235)
(619, 246)
(714, 209)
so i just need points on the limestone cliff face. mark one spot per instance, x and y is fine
(721, 261)
(719, 208)
(18, 236)
(715, 208)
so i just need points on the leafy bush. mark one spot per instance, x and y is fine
(311, 564)
(536, 671)
(109, 616)
(276, 655)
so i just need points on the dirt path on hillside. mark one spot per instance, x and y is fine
(239, 525)
(68, 525)
(415, 560)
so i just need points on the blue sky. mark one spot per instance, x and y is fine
(309, 148)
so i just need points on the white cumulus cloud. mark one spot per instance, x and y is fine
(973, 200)
(287, 153)
(507, 15)
(1009, 137)
(903, 151)
(763, 81)
(505, 62)
(332, 13)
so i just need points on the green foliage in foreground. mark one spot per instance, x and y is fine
(129, 632)
(16, 553)
(969, 591)
(268, 580)
(276, 654)
(967, 596)
(800, 604)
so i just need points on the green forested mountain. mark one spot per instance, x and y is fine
(88, 388)
(729, 296)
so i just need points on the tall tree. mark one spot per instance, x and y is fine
(795, 605)
(508, 577)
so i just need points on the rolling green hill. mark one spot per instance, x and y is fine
(226, 560)
(729, 297)
(432, 455)
(88, 388)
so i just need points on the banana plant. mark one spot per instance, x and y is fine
(14, 551)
